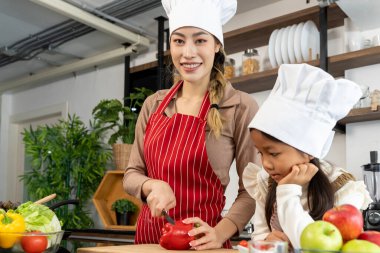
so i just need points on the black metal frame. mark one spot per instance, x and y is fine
(323, 63)
(160, 52)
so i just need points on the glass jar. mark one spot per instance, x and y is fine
(229, 68)
(250, 62)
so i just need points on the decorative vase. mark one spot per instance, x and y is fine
(123, 219)
(121, 153)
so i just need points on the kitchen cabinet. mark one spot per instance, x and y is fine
(257, 35)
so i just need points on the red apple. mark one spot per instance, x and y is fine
(347, 218)
(372, 236)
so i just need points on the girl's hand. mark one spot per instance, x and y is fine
(276, 235)
(300, 174)
(209, 237)
(160, 196)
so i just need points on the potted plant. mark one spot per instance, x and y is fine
(68, 159)
(117, 122)
(123, 208)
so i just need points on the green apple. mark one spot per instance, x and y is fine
(360, 246)
(321, 235)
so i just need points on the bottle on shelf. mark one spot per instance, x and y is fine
(250, 62)
(229, 68)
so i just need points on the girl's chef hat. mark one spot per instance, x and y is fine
(208, 15)
(304, 106)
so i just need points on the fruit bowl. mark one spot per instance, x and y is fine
(30, 242)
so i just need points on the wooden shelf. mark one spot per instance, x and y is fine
(109, 190)
(259, 81)
(361, 114)
(257, 35)
(337, 65)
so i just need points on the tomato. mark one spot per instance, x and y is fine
(243, 243)
(34, 243)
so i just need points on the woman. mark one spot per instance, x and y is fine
(188, 136)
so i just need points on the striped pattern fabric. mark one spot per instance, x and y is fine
(175, 152)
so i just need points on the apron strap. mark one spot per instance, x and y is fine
(204, 107)
(161, 108)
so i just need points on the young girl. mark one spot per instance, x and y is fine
(293, 132)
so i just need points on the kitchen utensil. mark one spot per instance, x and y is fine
(309, 39)
(292, 31)
(297, 42)
(46, 199)
(277, 48)
(271, 45)
(284, 45)
(371, 175)
(167, 217)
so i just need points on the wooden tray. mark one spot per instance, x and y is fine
(109, 190)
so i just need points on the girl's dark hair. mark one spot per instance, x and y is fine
(320, 193)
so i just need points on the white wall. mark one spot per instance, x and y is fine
(86, 89)
(82, 92)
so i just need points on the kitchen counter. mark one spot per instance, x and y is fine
(121, 236)
(144, 248)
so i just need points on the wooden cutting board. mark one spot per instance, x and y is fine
(145, 248)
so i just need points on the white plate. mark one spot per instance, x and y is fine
(277, 48)
(297, 43)
(291, 33)
(271, 44)
(284, 45)
(310, 40)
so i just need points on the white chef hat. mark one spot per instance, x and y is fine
(209, 15)
(304, 106)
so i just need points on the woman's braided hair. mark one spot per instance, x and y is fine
(216, 89)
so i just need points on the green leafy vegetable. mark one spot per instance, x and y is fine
(39, 218)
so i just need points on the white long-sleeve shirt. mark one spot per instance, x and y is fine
(292, 207)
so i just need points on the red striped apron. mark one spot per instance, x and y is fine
(175, 152)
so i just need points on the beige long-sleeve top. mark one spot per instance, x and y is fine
(237, 109)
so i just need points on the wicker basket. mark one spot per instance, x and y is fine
(121, 153)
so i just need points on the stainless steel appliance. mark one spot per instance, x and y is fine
(371, 174)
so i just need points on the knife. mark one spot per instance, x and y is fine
(167, 217)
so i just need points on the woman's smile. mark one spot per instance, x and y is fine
(190, 67)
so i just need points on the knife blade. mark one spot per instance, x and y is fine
(167, 217)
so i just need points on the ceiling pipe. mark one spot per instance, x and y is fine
(92, 9)
(68, 68)
(80, 15)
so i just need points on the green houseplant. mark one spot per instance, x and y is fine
(116, 123)
(123, 209)
(68, 159)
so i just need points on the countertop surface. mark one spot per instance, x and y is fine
(144, 248)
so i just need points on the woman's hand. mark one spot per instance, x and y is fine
(208, 237)
(160, 196)
(300, 174)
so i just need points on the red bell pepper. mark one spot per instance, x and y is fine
(176, 237)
